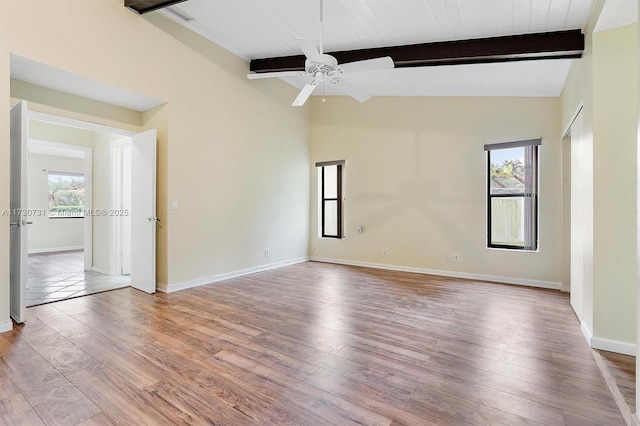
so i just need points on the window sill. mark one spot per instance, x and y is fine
(515, 250)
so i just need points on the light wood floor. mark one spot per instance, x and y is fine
(306, 344)
(620, 373)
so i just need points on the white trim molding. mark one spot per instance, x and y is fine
(586, 332)
(6, 326)
(617, 346)
(453, 274)
(72, 122)
(55, 249)
(608, 345)
(222, 277)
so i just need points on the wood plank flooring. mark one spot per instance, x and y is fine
(619, 373)
(623, 370)
(308, 344)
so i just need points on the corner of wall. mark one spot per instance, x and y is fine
(5, 322)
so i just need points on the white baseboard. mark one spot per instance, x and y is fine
(613, 346)
(452, 274)
(565, 288)
(55, 249)
(609, 345)
(217, 278)
(586, 332)
(6, 326)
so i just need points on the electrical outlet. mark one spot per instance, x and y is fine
(267, 252)
(449, 258)
(384, 252)
(456, 258)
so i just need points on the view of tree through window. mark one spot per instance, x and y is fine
(66, 194)
(512, 200)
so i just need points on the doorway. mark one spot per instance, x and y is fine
(61, 190)
(105, 263)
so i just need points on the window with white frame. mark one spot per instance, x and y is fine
(512, 195)
(330, 174)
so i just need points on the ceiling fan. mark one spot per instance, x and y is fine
(320, 68)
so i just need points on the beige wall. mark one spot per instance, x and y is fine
(416, 181)
(4, 174)
(615, 124)
(577, 95)
(232, 152)
(51, 234)
(103, 250)
(605, 82)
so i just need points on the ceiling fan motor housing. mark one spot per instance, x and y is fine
(325, 66)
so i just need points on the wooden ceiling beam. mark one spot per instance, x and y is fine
(144, 6)
(551, 45)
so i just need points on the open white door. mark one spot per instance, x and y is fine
(143, 211)
(19, 219)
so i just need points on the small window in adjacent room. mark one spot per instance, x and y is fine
(66, 194)
(512, 195)
(330, 191)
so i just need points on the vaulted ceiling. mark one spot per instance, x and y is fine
(255, 29)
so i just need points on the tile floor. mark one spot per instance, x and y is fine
(61, 275)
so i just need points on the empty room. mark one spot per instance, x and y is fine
(319, 212)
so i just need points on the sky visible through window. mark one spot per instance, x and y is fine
(498, 156)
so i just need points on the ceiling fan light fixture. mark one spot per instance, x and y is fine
(320, 67)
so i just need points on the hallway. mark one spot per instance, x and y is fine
(61, 275)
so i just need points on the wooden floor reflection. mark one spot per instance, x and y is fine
(312, 344)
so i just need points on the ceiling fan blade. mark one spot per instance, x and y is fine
(304, 94)
(260, 75)
(384, 63)
(355, 92)
(309, 48)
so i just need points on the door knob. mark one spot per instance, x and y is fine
(20, 223)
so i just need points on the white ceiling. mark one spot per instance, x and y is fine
(254, 29)
(617, 13)
(43, 75)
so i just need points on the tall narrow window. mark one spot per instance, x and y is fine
(66, 194)
(330, 191)
(512, 192)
